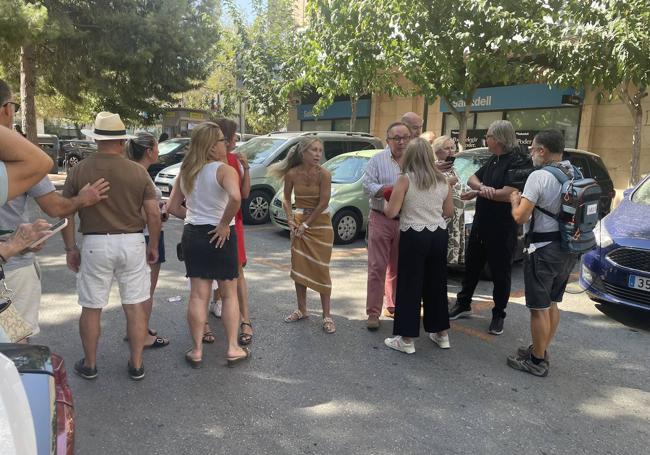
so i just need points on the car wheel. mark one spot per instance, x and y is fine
(73, 160)
(256, 208)
(346, 226)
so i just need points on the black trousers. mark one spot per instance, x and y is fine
(421, 278)
(496, 247)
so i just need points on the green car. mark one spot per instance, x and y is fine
(349, 206)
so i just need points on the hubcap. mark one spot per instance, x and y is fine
(73, 161)
(259, 208)
(347, 228)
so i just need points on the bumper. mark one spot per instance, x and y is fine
(604, 281)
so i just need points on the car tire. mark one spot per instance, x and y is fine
(256, 209)
(346, 225)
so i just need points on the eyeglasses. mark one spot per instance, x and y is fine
(16, 105)
(399, 138)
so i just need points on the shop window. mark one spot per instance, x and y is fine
(563, 119)
(485, 119)
(316, 125)
(361, 125)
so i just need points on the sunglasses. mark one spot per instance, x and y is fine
(16, 105)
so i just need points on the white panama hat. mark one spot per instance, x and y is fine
(108, 127)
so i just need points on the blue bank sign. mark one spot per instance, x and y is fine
(339, 109)
(516, 97)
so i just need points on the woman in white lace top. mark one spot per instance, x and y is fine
(422, 199)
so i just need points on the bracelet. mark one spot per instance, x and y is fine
(304, 225)
(72, 248)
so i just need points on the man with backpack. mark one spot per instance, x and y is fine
(560, 209)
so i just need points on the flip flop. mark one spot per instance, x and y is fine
(234, 361)
(196, 364)
(159, 342)
(245, 339)
(208, 336)
(152, 332)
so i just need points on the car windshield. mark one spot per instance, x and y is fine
(258, 149)
(346, 169)
(167, 147)
(642, 194)
(466, 165)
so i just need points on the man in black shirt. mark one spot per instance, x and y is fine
(494, 233)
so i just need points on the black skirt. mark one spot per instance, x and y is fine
(203, 260)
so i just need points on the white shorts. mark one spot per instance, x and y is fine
(25, 283)
(103, 257)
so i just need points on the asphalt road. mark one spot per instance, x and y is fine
(306, 392)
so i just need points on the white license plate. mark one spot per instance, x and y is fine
(165, 188)
(639, 282)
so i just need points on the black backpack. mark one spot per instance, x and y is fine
(578, 211)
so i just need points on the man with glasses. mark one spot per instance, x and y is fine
(22, 271)
(383, 233)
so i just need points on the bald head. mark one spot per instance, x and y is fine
(414, 122)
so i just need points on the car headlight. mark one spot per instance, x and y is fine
(603, 239)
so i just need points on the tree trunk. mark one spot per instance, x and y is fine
(353, 114)
(633, 104)
(462, 118)
(27, 89)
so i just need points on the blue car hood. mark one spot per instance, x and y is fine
(628, 224)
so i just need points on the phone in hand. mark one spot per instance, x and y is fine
(53, 230)
(450, 158)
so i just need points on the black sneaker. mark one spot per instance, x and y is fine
(459, 311)
(136, 373)
(529, 366)
(85, 372)
(496, 326)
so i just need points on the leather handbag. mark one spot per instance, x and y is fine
(13, 325)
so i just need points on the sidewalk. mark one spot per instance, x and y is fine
(58, 180)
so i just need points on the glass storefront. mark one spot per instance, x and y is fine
(565, 119)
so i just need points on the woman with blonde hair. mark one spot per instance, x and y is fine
(210, 189)
(444, 148)
(312, 235)
(143, 149)
(422, 198)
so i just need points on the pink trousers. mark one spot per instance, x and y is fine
(383, 249)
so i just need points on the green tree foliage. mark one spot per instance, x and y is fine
(265, 62)
(127, 56)
(345, 52)
(449, 49)
(604, 44)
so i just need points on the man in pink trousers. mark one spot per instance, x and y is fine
(383, 233)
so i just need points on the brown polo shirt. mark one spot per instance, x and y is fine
(130, 186)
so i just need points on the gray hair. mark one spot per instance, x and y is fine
(503, 133)
(136, 147)
(439, 142)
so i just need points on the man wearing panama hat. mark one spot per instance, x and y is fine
(113, 242)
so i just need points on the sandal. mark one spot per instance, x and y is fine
(208, 336)
(328, 325)
(297, 315)
(193, 362)
(232, 361)
(158, 342)
(245, 339)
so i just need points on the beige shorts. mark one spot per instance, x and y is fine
(119, 256)
(25, 283)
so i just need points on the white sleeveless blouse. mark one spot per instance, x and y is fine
(422, 209)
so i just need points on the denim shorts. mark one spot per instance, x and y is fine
(546, 274)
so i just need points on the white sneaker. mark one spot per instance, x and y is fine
(215, 308)
(398, 343)
(441, 340)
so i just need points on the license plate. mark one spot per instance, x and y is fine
(639, 282)
(165, 188)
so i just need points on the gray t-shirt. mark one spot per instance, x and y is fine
(13, 213)
(543, 190)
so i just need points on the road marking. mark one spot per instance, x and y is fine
(473, 332)
(273, 264)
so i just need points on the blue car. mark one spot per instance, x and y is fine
(618, 270)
